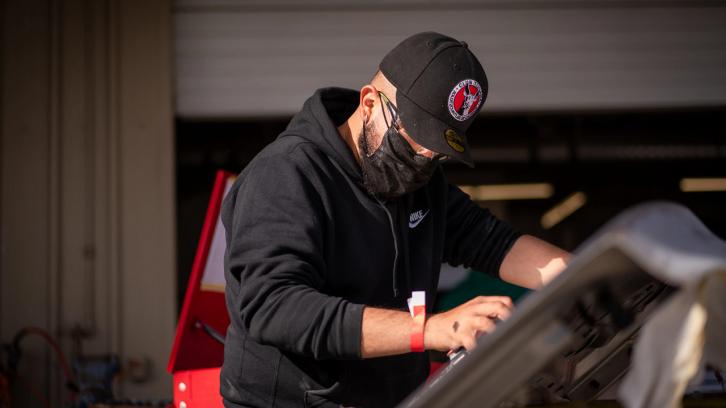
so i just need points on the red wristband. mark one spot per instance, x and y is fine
(417, 329)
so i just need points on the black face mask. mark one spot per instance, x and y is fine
(394, 169)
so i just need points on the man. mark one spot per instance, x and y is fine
(333, 226)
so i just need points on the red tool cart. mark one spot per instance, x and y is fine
(196, 356)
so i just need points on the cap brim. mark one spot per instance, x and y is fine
(432, 133)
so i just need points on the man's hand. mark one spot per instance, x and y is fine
(462, 325)
(388, 332)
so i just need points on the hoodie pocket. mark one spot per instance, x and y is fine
(320, 398)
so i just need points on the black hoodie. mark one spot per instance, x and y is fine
(308, 247)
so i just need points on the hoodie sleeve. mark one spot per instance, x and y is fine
(474, 237)
(275, 251)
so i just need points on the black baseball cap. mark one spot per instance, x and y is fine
(440, 88)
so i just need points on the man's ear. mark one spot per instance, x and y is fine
(368, 96)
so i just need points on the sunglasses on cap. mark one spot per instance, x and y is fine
(396, 124)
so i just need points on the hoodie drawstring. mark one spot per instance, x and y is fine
(395, 246)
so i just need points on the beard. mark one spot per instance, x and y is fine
(366, 149)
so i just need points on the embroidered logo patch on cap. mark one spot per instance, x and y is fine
(465, 99)
(454, 140)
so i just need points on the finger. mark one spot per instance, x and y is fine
(469, 342)
(483, 324)
(506, 300)
(477, 324)
(476, 300)
(501, 316)
(489, 327)
(498, 319)
(492, 309)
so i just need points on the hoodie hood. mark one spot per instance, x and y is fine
(318, 122)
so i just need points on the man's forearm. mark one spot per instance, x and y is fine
(385, 332)
(532, 262)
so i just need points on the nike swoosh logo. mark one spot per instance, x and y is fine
(413, 224)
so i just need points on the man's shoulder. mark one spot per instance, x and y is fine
(288, 153)
(280, 169)
(293, 147)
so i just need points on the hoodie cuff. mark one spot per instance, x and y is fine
(506, 236)
(352, 331)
